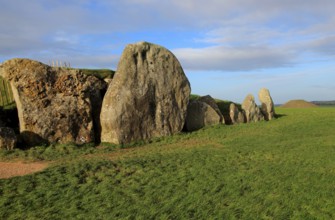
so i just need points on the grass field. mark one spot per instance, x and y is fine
(282, 169)
(99, 73)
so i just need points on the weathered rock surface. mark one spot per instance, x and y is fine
(267, 105)
(54, 104)
(251, 110)
(147, 98)
(199, 115)
(211, 102)
(8, 138)
(236, 116)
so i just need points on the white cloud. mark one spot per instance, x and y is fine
(229, 35)
(84, 61)
(94, 61)
(324, 45)
(63, 37)
(233, 59)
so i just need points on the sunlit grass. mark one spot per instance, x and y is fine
(280, 169)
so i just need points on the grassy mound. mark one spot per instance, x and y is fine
(298, 104)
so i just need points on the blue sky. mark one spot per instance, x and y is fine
(228, 48)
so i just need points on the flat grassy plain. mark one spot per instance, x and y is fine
(282, 169)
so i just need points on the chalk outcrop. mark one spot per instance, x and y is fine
(267, 105)
(251, 111)
(199, 115)
(54, 104)
(147, 98)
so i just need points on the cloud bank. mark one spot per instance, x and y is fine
(239, 35)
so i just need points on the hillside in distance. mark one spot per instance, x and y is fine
(298, 104)
(324, 103)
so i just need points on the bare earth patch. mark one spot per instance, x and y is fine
(11, 169)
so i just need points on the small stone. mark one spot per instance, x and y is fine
(236, 116)
(199, 115)
(8, 138)
(267, 105)
(210, 101)
(251, 110)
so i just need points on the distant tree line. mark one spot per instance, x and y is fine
(324, 103)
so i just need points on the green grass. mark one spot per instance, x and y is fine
(194, 97)
(6, 95)
(99, 73)
(282, 169)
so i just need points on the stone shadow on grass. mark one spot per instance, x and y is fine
(30, 139)
(280, 115)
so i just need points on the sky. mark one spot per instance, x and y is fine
(227, 48)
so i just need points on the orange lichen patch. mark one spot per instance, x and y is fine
(12, 169)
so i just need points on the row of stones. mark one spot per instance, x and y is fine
(148, 97)
(204, 111)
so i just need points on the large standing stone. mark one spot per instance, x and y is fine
(199, 115)
(211, 102)
(8, 138)
(267, 107)
(251, 110)
(236, 116)
(147, 98)
(54, 104)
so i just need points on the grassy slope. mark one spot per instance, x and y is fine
(268, 170)
(99, 73)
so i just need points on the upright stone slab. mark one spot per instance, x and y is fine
(147, 98)
(54, 104)
(251, 110)
(267, 107)
(199, 115)
(211, 102)
(236, 116)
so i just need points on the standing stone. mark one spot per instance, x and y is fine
(211, 102)
(251, 110)
(8, 138)
(267, 107)
(236, 116)
(55, 105)
(147, 98)
(199, 115)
